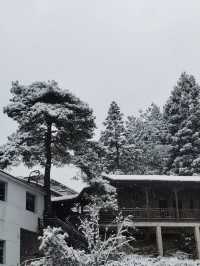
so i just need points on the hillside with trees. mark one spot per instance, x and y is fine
(57, 128)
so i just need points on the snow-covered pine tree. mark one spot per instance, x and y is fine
(153, 138)
(182, 116)
(132, 159)
(51, 123)
(90, 159)
(145, 134)
(113, 137)
(194, 124)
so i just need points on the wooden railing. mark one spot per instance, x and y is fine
(150, 213)
(145, 214)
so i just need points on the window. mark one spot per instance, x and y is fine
(2, 252)
(179, 204)
(163, 204)
(191, 204)
(2, 191)
(30, 202)
(136, 195)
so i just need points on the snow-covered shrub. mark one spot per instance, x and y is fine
(56, 251)
(40, 262)
(100, 250)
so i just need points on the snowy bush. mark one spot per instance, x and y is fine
(99, 251)
(56, 251)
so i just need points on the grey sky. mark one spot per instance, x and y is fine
(131, 51)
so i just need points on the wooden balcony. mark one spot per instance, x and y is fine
(153, 214)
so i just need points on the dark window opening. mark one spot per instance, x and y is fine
(191, 204)
(163, 204)
(179, 204)
(2, 252)
(136, 195)
(2, 191)
(30, 202)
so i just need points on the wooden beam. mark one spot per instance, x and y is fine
(176, 203)
(147, 200)
(147, 197)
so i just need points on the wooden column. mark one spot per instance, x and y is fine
(147, 200)
(197, 240)
(176, 202)
(147, 197)
(159, 240)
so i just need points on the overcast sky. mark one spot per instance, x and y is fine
(131, 51)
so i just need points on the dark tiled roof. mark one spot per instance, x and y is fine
(56, 186)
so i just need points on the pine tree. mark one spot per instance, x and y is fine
(90, 159)
(51, 123)
(182, 116)
(146, 136)
(132, 159)
(113, 137)
(194, 125)
(153, 138)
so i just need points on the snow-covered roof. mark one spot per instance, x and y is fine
(153, 178)
(21, 181)
(65, 197)
(56, 186)
(61, 188)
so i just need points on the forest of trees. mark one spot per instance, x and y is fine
(57, 128)
(155, 142)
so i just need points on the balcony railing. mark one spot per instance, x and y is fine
(144, 214)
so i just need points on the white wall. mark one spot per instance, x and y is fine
(13, 216)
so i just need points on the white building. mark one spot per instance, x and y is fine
(21, 205)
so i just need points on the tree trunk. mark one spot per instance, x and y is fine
(47, 185)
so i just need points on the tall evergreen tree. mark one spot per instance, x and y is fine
(146, 135)
(51, 123)
(153, 138)
(182, 116)
(113, 137)
(89, 157)
(194, 125)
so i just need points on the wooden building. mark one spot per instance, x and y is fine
(159, 202)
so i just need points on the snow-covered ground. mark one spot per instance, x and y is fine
(135, 260)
